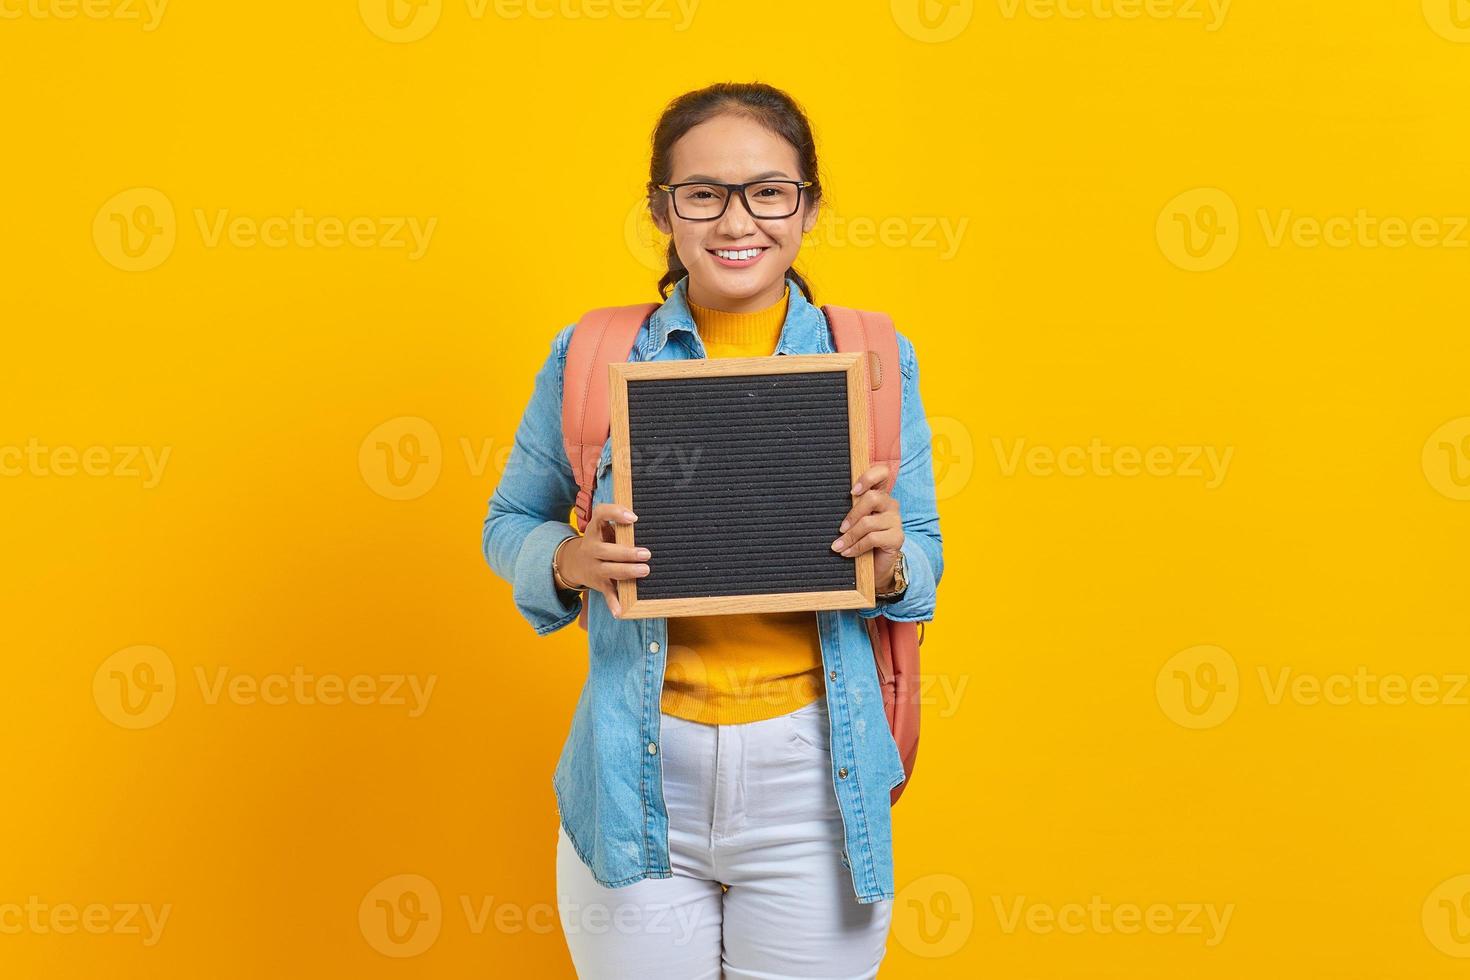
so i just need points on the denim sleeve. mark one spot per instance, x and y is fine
(530, 507)
(922, 547)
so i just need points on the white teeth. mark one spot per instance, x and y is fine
(742, 254)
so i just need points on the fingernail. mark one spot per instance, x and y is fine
(644, 553)
(629, 515)
(843, 527)
(857, 488)
(837, 545)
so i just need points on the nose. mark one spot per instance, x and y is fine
(736, 222)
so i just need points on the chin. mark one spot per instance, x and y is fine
(739, 282)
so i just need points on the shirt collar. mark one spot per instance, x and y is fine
(803, 332)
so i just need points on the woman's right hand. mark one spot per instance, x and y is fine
(596, 561)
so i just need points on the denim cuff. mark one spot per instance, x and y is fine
(535, 592)
(917, 602)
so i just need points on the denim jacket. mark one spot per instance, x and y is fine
(609, 778)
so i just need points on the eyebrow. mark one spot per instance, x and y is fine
(712, 180)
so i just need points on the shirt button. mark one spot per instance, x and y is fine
(653, 647)
(842, 773)
(652, 748)
(832, 674)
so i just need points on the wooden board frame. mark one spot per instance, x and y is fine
(856, 367)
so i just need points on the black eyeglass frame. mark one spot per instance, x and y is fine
(730, 191)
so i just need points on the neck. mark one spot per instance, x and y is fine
(736, 304)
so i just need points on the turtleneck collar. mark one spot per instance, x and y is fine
(757, 330)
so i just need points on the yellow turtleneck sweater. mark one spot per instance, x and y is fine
(731, 669)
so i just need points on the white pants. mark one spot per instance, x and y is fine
(750, 806)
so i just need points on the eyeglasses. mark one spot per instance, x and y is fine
(703, 201)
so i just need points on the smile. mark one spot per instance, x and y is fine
(738, 258)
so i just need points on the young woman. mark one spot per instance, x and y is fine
(724, 789)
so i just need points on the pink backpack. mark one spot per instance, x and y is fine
(606, 335)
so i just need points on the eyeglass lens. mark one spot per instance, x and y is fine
(774, 199)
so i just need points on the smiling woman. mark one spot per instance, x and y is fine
(738, 768)
(750, 144)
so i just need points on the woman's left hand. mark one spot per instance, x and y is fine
(873, 524)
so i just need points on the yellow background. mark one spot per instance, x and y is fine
(1062, 759)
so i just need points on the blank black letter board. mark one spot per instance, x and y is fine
(740, 472)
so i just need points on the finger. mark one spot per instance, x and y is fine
(618, 570)
(610, 593)
(873, 476)
(607, 515)
(877, 528)
(612, 513)
(886, 538)
(871, 502)
(855, 532)
(612, 551)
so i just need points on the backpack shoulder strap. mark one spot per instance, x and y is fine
(866, 330)
(602, 336)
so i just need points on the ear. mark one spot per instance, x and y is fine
(809, 219)
(661, 222)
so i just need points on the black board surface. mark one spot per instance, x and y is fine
(740, 483)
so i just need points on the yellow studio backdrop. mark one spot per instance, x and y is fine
(1187, 283)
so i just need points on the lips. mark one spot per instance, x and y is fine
(739, 263)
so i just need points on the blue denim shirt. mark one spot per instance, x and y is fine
(609, 778)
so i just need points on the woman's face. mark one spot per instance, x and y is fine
(732, 149)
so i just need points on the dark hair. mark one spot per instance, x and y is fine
(770, 107)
